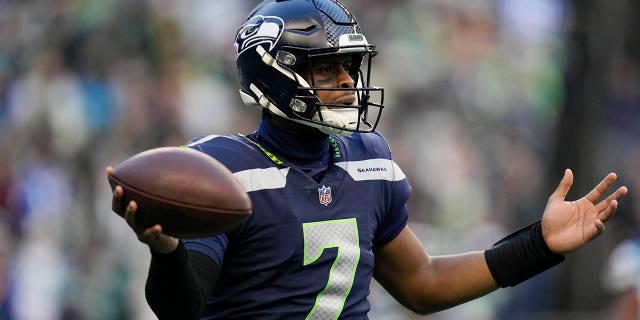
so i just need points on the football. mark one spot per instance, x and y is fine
(189, 193)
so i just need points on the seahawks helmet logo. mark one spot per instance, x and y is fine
(258, 30)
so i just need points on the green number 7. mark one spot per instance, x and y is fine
(341, 234)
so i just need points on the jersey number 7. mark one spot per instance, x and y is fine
(341, 234)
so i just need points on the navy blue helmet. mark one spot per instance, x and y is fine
(280, 39)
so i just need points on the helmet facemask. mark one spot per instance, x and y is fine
(359, 112)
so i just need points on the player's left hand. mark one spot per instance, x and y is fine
(569, 225)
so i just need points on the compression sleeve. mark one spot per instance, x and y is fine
(179, 283)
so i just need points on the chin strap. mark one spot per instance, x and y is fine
(335, 117)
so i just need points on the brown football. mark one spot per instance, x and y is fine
(190, 194)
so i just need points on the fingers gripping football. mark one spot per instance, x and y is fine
(153, 235)
(189, 194)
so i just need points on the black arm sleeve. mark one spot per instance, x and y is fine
(179, 283)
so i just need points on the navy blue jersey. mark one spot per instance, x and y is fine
(306, 251)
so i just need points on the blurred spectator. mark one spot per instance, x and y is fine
(621, 276)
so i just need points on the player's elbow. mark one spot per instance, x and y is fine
(424, 308)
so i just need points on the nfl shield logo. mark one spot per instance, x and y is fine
(324, 195)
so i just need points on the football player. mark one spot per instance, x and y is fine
(329, 201)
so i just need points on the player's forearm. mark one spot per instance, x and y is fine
(427, 284)
(172, 290)
(455, 279)
(514, 259)
(440, 283)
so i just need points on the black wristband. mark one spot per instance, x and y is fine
(520, 256)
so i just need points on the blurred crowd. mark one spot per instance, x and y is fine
(473, 93)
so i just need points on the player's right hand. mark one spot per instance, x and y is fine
(153, 235)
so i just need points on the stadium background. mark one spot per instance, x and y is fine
(487, 103)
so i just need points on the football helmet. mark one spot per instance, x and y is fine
(280, 39)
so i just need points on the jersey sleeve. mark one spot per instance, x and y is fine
(212, 247)
(397, 214)
(396, 218)
(224, 149)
